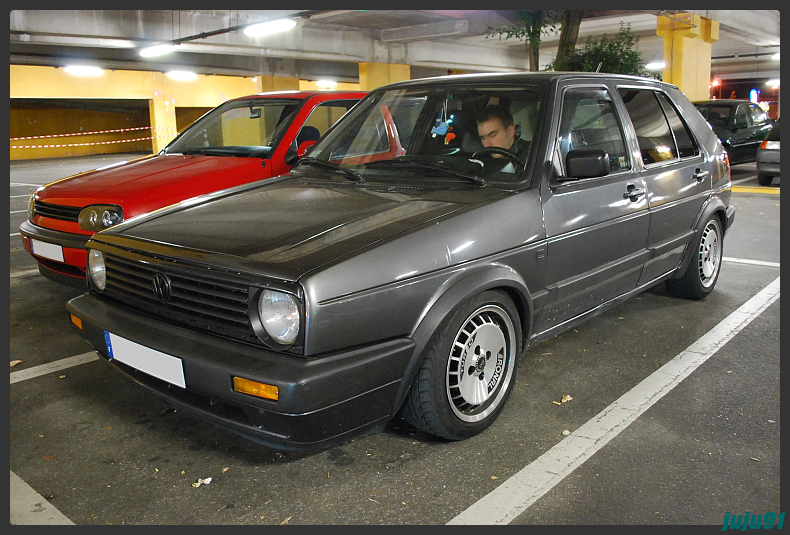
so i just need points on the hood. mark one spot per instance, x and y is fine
(154, 181)
(291, 225)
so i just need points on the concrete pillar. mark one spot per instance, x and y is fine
(278, 83)
(687, 50)
(163, 121)
(373, 75)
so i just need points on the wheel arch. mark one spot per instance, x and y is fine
(713, 207)
(450, 295)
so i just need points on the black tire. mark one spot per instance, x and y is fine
(703, 270)
(461, 388)
(764, 180)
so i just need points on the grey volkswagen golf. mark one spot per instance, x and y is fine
(433, 234)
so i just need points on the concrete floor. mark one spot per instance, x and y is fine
(101, 451)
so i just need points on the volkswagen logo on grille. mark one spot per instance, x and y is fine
(161, 286)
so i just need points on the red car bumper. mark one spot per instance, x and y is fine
(71, 270)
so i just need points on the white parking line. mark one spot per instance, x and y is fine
(17, 196)
(516, 494)
(18, 211)
(15, 234)
(51, 367)
(751, 262)
(750, 177)
(28, 507)
(19, 184)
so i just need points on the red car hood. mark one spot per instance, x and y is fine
(152, 182)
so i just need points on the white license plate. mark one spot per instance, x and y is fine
(145, 359)
(47, 250)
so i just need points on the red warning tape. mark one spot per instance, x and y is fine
(164, 128)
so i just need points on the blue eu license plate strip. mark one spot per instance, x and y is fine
(147, 360)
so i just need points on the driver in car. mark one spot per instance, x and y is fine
(496, 129)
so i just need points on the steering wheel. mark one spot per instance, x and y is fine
(512, 156)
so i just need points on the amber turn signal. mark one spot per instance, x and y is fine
(76, 321)
(253, 388)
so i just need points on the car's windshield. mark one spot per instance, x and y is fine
(439, 133)
(247, 128)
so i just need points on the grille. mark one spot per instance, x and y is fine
(57, 211)
(218, 305)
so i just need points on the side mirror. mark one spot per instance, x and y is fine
(587, 163)
(291, 157)
(304, 147)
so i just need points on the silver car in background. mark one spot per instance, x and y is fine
(768, 157)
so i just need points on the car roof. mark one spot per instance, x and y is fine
(543, 77)
(302, 95)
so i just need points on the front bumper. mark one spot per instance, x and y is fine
(71, 271)
(323, 400)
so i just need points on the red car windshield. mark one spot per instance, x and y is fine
(246, 128)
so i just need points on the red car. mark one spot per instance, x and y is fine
(243, 140)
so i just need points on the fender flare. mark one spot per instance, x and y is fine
(449, 296)
(714, 205)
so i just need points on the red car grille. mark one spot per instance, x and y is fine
(57, 211)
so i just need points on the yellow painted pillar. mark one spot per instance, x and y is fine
(373, 75)
(278, 83)
(688, 40)
(163, 118)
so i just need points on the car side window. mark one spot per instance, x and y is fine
(683, 138)
(321, 118)
(740, 117)
(759, 117)
(589, 122)
(656, 142)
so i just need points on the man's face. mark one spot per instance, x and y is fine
(493, 134)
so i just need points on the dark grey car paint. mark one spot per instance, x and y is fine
(390, 260)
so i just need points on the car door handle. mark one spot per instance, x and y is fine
(699, 175)
(633, 193)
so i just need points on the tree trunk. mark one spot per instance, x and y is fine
(533, 53)
(571, 20)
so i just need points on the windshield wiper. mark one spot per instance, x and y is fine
(422, 164)
(335, 167)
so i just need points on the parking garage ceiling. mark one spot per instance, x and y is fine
(331, 43)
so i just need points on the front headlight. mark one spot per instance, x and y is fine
(31, 206)
(279, 313)
(99, 217)
(97, 269)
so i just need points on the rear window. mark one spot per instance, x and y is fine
(656, 142)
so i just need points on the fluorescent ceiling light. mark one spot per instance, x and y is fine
(157, 50)
(182, 76)
(775, 56)
(269, 27)
(84, 70)
(326, 84)
(655, 65)
(773, 83)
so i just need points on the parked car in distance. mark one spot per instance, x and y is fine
(436, 231)
(768, 157)
(740, 125)
(242, 140)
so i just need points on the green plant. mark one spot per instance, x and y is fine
(614, 55)
(529, 25)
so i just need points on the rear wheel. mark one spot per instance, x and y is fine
(764, 180)
(468, 371)
(703, 271)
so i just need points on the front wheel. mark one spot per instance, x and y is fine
(468, 371)
(703, 271)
